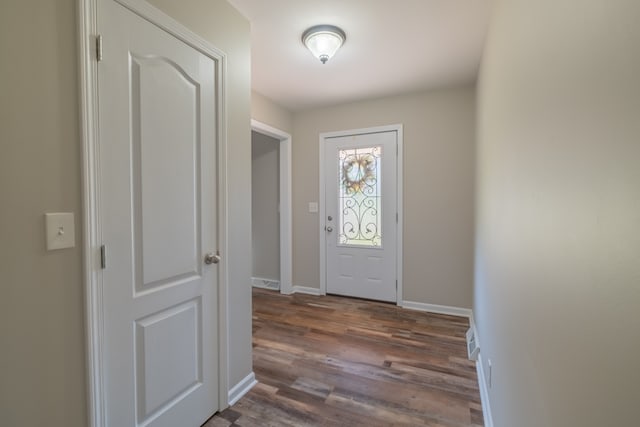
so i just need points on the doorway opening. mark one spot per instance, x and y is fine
(271, 208)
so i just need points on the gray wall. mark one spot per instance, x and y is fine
(438, 179)
(42, 356)
(557, 276)
(265, 218)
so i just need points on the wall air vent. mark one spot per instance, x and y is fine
(472, 345)
(259, 282)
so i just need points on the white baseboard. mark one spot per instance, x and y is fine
(242, 388)
(305, 290)
(439, 309)
(260, 282)
(484, 392)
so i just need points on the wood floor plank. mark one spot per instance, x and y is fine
(334, 361)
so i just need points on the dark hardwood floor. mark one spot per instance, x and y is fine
(333, 361)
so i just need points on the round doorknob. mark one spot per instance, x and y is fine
(211, 258)
(329, 229)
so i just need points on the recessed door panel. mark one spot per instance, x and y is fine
(374, 268)
(168, 357)
(345, 266)
(165, 147)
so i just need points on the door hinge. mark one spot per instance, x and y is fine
(396, 217)
(103, 257)
(396, 285)
(99, 48)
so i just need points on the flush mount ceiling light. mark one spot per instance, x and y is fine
(323, 41)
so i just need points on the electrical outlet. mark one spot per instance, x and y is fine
(490, 372)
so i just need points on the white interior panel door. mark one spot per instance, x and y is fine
(157, 154)
(361, 222)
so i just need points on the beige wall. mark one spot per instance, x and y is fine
(42, 369)
(266, 111)
(42, 346)
(438, 188)
(265, 218)
(557, 280)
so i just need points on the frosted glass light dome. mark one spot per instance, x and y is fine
(323, 41)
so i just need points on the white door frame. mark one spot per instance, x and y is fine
(322, 207)
(284, 149)
(92, 238)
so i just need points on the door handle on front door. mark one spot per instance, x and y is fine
(329, 229)
(211, 258)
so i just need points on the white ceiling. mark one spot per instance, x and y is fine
(392, 47)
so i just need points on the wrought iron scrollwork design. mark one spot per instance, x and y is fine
(360, 196)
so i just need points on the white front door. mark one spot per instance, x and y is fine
(157, 176)
(361, 215)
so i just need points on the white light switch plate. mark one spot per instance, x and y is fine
(60, 230)
(313, 207)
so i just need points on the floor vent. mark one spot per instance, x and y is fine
(472, 346)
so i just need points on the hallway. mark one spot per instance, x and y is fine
(336, 361)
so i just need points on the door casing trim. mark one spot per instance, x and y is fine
(87, 19)
(286, 233)
(399, 201)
